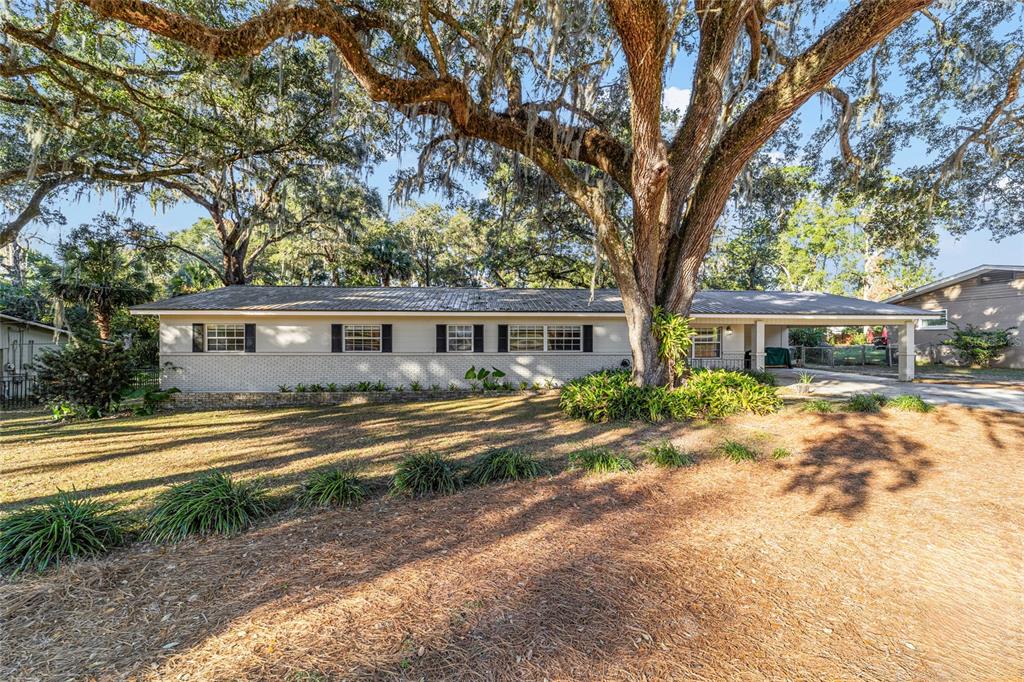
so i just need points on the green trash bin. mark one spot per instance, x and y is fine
(777, 357)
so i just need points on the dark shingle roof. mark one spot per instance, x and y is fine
(442, 300)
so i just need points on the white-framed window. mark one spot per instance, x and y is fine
(460, 338)
(525, 337)
(225, 337)
(565, 337)
(539, 337)
(941, 323)
(707, 342)
(362, 338)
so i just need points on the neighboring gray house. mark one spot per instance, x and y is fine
(249, 338)
(988, 297)
(22, 340)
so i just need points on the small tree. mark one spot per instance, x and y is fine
(100, 272)
(806, 336)
(675, 336)
(979, 347)
(87, 376)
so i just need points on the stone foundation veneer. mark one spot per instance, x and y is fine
(236, 373)
(226, 400)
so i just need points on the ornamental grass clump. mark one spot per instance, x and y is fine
(667, 455)
(63, 529)
(738, 452)
(818, 405)
(425, 474)
(503, 464)
(211, 504)
(909, 403)
(600, 461)
(332, 487)
(865, 402)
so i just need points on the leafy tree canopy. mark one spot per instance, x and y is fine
(574, 90)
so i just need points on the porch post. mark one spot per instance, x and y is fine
(758, 354)
(908, 356)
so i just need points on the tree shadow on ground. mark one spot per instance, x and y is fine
(862, 455)
(566, 551)
(282, 446)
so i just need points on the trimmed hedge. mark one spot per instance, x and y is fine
(611, 395)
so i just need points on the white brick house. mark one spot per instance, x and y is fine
(243, 339)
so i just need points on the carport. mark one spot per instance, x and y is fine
(752, 321)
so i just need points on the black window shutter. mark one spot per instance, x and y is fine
(337, 341)
(588, 338)
(442, 338)
(198, 337)
(478, 338)
(385, 338)
(250, 338)
(502, 338)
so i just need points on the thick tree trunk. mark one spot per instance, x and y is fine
(234, 267)
(648, 369)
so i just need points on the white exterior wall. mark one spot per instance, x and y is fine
(293, 349)
(19, 344)
(296, 349)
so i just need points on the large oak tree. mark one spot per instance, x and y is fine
(535, 79)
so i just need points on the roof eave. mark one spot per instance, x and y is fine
(908, 315)
(949, 281)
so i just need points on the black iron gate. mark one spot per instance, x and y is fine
(17, 391)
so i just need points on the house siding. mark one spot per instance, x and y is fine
(992, 300)
(20, 344)
(295, 349)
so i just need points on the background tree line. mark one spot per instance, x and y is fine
(540, 131)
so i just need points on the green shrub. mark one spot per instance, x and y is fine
(145, 401)
(909, 403)
(87, 377)
(668, 455)
(504, 464)
(738, 452)
(819, 405)
(211, 503)
(713, 394)
(332, 487)
(979, 347)
(864, 402)
(63, 529)
(780, 453)
(600, 461)
(761, 376)
(425, 474)
(611, 395)
(675, 339)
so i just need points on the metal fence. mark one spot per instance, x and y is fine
(845, 356)
(17, 391)
(146, 377)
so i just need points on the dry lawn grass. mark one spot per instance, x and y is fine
(887, 546)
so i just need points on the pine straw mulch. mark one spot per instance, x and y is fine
(886, 547)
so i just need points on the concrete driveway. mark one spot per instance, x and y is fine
(844, 384)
